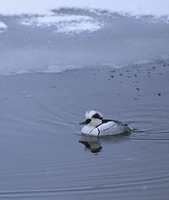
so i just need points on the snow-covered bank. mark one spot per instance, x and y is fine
(42, 12)
(40, 7)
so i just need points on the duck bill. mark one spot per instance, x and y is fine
(83, 123)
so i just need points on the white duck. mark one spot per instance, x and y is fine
(95, 125)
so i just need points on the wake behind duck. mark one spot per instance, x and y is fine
(95, 125)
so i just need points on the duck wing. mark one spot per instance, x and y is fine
(110, 120)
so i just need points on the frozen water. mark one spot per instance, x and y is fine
(53, 36)
(64, 23)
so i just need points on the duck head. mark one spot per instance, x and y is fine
(93, 118)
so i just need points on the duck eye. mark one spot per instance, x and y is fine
(88, 121)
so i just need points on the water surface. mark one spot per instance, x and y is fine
(41, 157)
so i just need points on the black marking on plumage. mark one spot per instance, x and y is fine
(88, 121)
(106, 120)
(110, 120)
(97, 116)
(98, 131)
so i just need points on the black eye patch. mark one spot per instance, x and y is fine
(97, 116)
(88, 121)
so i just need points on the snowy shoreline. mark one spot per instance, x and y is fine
(134, 7)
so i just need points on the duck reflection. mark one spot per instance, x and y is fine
(93, 144)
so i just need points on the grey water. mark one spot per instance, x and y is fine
(42, 152)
